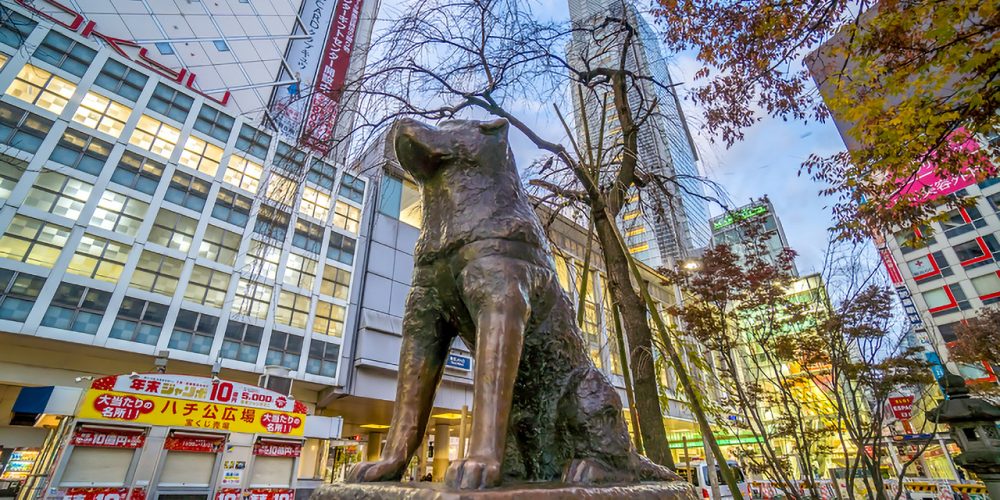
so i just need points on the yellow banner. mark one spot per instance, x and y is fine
(157, 410)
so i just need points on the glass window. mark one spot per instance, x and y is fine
(59, 194)
(157, 273)
(76, 308)
(329, 319)
(15, 28)
(252, 299)
(193, 332)
(207, 286)
(99, 258)
(214, 123)
(400, 199)
(958, 221)
(170, 103)
(341, 248)
(33, 241)
(119, 213)
(293, 309)
(21, 129)
(300, 271)
(173, 230)
(201, 156)
(322, 358)
(232, 208)
(188, 191)
(155, 136)
(315, 203)
(244, 173)
(281, 189)
(139, 321)
(336, 282)
(219, 245)
(262, 260)
(910, 240)
(121, 80)
(352, 188)
(285, 349)
(271, 222)
(253, 141)
(34, 85)
(82, 152)
(18, 293)
(322, 174)
(242, 342)
(102, 114)
(987, 285)
(346, 216)
(62, 52)
(138, 172)
(289, 158)
(977, 252)
(308, 236)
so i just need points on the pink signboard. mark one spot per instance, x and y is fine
(928, 185)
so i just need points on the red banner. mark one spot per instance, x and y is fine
(101, 438)
(269, 494)
(270, 448)
(229, 494)
(104, 494)
(317, 134)
(902, 407)
(196, 444)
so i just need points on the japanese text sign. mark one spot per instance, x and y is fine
(107, 439)
(902, 407)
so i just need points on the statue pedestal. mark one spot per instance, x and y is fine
(669, 490)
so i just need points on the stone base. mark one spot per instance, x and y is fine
(672, 490)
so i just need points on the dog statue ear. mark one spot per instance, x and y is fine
(494, 127)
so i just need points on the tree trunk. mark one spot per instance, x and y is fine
(636, 326)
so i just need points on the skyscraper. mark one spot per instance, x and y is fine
(731, 229)
(658, 225)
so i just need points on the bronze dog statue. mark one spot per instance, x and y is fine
(484, 272)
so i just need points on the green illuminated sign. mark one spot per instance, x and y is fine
(739, 215)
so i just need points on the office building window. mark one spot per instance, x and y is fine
(76, 308)
(308, 236)
(271, 222)
(18, 293)
(214, 123)
(139, 321)
(262, 260)
(913, 239)
(946, 299)
(102, 114)
(33, 241)
(322, 174)
(170, 103)
(193, 332)
(253, 141)
(977, 252)
(15, 28)
(244, 173)
(962, 220)
(400, 199)
(242, 342)
(59, 194)
(987, 287)
(173, 230)
(188, 191)
(232, 208)
(285, 349)
(21, 129)
(336, 282)
(34, 85)
(119, 213)
(289, 158)
(929, 266)
(329, 319)
(121, 80)
(322, 358)
(11, 170)
(164, 48)
(346, 216)
(352, 188)
(281, 190)
(292, 310)
(155, 136)
(99, 258)
(62, 52)
(315, 203)
(300, 271)
(252, 299)
(219, 245)
(207, 286)
(157, 273)
(341, 248)
(138, 172)
(201, 156)
(82, 152)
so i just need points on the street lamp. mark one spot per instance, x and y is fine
(973, 426)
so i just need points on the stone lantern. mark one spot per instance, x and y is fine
(973, 424)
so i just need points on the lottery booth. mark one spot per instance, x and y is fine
(178, 437)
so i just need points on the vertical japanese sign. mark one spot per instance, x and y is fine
(317, 134)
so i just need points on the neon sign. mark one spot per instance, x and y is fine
(739, 215)
(88, 29)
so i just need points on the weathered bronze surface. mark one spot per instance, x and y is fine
(483, 271)
(672, 490)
